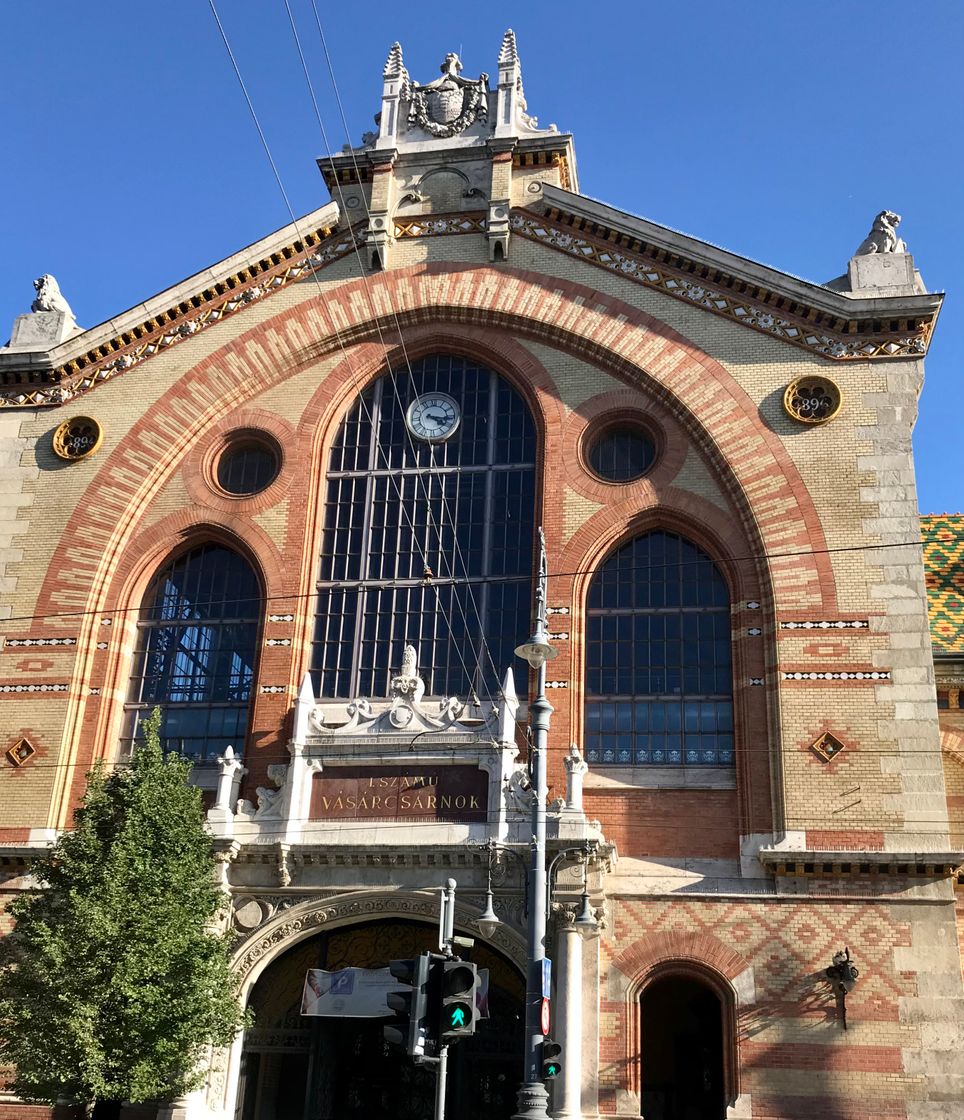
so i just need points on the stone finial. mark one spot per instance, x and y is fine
(883, 236)
(506, 710)
(49, 322)
(576, 770)
(881, 263)
(49, 296)
(394, 66)
(407, 685)
(508, 54)
(230, 772)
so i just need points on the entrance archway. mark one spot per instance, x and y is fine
(296, 1068)
(682, 1050)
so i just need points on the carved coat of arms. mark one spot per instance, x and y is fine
(450, 104)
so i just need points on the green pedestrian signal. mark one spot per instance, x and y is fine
(456, 1011)
(551, 1059)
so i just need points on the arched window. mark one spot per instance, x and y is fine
(196, 649)
(428, 532)
(659, 685)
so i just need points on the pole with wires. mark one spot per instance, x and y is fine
(533, 1099)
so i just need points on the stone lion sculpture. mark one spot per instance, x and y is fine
(883, 236)
(49, 297)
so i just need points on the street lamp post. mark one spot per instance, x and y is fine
(533, 1099)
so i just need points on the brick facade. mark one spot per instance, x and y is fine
(810, 526)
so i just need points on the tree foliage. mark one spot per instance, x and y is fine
(112, 983)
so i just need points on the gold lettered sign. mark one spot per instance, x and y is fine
(400, 793)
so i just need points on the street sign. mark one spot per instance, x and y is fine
(544, 1016)
(546, 978)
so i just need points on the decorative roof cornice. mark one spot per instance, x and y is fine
(101, 353)
(860, 864)
(831, 324)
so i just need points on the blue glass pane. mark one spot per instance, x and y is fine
(196, 652)
(658, 634)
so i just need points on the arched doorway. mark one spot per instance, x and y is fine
(682, 1050)
(296, 1068)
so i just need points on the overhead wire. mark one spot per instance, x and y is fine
(483, 644)
(341, 344)
(755, 558)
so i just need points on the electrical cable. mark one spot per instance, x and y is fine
(483, 644)
(294, 221)
(755, 558)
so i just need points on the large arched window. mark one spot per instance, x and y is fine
(428, 532)
(659, 687)
(196, 649)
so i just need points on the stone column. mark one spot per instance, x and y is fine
(567, 1028)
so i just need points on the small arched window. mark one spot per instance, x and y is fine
(659, 680)
(197, 644)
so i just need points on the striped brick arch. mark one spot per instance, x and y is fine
(697, 955)
(440, 307)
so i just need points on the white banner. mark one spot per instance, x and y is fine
(357, 993)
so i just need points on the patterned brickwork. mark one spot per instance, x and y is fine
(791, 1053)
(943, 537)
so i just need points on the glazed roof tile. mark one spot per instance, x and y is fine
(943, 538)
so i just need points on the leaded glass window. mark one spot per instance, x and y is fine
(397, 507)
(659, 687)
(196, 651)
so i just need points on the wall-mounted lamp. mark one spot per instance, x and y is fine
(843, 975)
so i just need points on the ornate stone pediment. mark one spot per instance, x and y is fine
(450, 104)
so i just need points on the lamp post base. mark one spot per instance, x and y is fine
(533, 1102)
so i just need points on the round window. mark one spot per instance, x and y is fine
(247, 466)
(812, 400)
(621, 453)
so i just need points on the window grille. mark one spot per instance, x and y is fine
(397, 507)
(196, 651)
(659, 688)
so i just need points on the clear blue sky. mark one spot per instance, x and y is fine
(774, 129)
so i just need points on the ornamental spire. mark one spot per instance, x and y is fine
(508, 53)
(394, 66)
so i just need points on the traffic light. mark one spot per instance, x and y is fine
(551, 1059)
(457, 1010)
(409, 1027)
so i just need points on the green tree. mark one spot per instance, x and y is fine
(112, 983)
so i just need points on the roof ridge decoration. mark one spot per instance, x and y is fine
(45, 387)
(713, 290)
(764, 310)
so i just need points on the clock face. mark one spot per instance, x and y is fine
(433, 417)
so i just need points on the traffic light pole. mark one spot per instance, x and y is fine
(441, 1077)
(533, 1099)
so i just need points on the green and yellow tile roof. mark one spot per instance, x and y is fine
(943, 537)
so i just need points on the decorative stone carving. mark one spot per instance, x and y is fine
(883, 236)
(518, 790)
(49, 323)
(230, 772)
(271, 801)
(308, 915)
(405, 712)
(450, 104)
(576, 770)
(49, 296)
